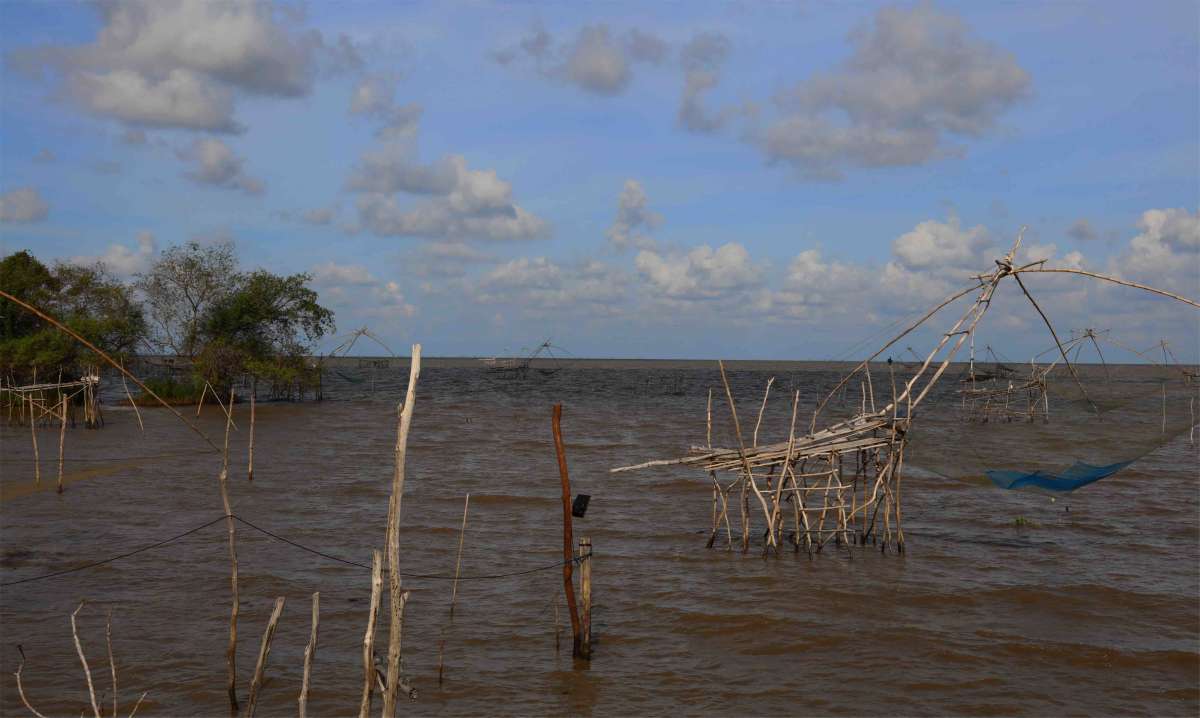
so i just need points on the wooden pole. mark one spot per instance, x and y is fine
(37, 463)
(231, 648)
(364, 705)
(395, 595)
(565, 481)
(250, 468)
(309, 653)
(264, 650)
(585, 591)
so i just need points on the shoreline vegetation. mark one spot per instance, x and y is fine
(194, 320)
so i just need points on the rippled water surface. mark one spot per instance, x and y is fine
(1091, 610)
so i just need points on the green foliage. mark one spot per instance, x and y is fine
(1021, 522)
(173, 391)
(265, 327)
(87, 299)
(228, 323)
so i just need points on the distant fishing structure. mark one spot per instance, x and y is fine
(843, 482)
(518, 367)
(348, 342)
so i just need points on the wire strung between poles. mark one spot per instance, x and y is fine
(331, 557)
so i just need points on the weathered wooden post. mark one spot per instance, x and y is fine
(565, 479)
(585, 591)
(309, 653)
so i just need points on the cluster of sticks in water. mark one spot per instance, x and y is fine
(48, 404)
(843, 482)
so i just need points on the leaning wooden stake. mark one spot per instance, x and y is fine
(565, 480)
(454, 589)
(395, 595)
(309, 653)
(264, 651)
(761, 410)
(585, 591)
(364, 705)
(137, 412)
(87, 672)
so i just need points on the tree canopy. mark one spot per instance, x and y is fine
(87, 299)
(199, 305)
(264, 327)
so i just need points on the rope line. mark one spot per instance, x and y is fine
(331, 557)
(114, 558)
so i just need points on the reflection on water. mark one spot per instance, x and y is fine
(1091, 610)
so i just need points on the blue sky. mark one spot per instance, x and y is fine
(515, 171)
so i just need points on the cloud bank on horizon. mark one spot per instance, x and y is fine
(755, 182)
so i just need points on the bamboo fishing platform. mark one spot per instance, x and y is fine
(52, 403)
(843, 483)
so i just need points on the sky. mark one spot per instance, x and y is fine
(658, 180)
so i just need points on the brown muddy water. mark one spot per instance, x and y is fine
(1088, 611)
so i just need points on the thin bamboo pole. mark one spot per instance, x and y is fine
(112, 662)
(136, 412)
(454, 589)
(264, 651)
(37, 462)
(368, 650)
(62, 438)
(761, 410)
(231, 647)
(565, 483)
(310, 652)
(250, 467)
(1114, 280)
(395, 595)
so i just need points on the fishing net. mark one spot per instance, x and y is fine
(1081, 431)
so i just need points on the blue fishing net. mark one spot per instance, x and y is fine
(1077, 475)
